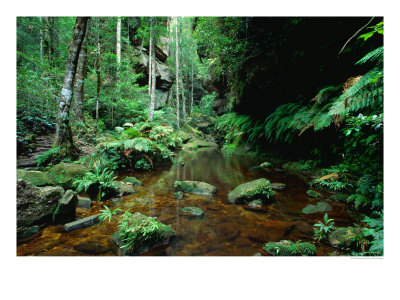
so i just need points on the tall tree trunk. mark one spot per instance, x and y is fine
(98, 73)
(153, 70)
(119, 41)
(150, 54)
(191, 101)
(79, 82)
(41, 39)
(182, 74)
(177, 72)
(63, 137)
(118, 46)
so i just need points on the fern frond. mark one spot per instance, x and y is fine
(374, 55)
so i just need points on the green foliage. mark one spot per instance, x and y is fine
(49, 158)
(143, 165)
(100, 183)
(323, 229)
(288, 248)
(106, 213)
(375, 232)
(332, 184)
(136, 233)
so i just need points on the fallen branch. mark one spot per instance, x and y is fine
(341, 50)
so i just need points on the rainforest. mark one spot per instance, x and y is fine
(199, 136)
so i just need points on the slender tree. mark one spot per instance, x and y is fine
(182, 74)
(177, 71)
(191, 101)
(79, 88)
(153, 69)
(98, 75)
(150, 54)
(63, 137)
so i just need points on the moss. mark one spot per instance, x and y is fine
(37, 178)
(319, 207)
(196, 211)
(313, 194)
(196, 187)
(66, 173)
(288, 248)
(260, 188)
(133, 180)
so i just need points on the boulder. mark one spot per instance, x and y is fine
(132, 180)
(195, 187)
(288, 248)
(192, 211)
(123, 188)
(37, 178)
(35, 207)
(345, 237)
(84, 202)
(313, 194)
(66, 173)
(81, 223)
(333, 176)
(142, 234)
(319, 207)
(260, 188)
(278, 186)
(266, 166)
(65, 211)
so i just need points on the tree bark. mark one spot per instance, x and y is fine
(150, 54)
(191, 102)
(182, 74)
(153, 70)
(79, 86)
(177, 72)
(63, 137)
(119, 41)
(98, 74)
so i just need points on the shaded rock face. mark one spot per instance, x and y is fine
(65, 211)
(35, 206)
(319, 207)
(260, 188)
(195, 187)
(82, 223)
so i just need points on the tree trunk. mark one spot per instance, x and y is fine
(183, 99)
(177, 72)
(153, 71)
(41, 39)
(191, 102)
(98, 73)
(63, 137)
(79, 82)
(150, 69)
(119, 41)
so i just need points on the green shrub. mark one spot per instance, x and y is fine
(321, 234)
(49, 158)
(143, 165)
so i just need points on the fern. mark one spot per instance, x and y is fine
(374, 55)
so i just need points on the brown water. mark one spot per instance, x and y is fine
(224, 229)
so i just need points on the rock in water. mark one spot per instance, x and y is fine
(319, 207)
(178, 195)
(84, 202)
(260, 188)
(278, 186)
(132, 180)
(313, 194)
(196, 187)
(65, 211)
(345, 237)
(37, 178)
(194, 211)
(288, 248)
(124, 188)
(85, 222)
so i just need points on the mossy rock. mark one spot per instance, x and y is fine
(157, 236)
(313, 194)
(196, 144)
(319, 207)
(265, 166)
(123, 188)
(192, 131)
(133, 180)
(195, 187)
(37, 178)
(184, 136)
(194, 211)
(288, 248)
(66, 173)
(178, 195)
(260, 188)
(345, 237)
(339, 197)
(65, 211)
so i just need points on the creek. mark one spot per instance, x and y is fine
(223, 229)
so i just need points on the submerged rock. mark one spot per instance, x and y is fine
(313, 194)
(260, 188)
(196, 187)
(65, 211)
(142, 235)
(278, 186)
(194, 211)
(319, 207)
(288, 248)
(81, 223)
(132, 180)
(178, 195)
(256, 205)
(228, 230)
(123, 188)
(266, 166)
(37, 178)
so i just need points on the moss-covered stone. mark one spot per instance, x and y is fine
(123, 188)
(319, 207)
(338, 197)
(260, 188)
(132, 180)
(66, 173)
(65, 211)
(144, 233)
(288, 248)
(266, 166)
(345, 237)
(195, 187)
(178, 195)
(313, 194)
(195, 211)
(37, 178)
(196, 144)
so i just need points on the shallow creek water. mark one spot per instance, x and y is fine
(224, 229)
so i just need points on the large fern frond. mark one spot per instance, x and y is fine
(374, 55)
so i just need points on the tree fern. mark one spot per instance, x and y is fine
(374, 55)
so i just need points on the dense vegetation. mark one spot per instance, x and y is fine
(276, 87)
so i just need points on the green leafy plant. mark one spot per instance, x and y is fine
(106, 213)
(332, 184)
(375, 233)
(322, 230)
(50, 157)
(143, 165)
(98, 184)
